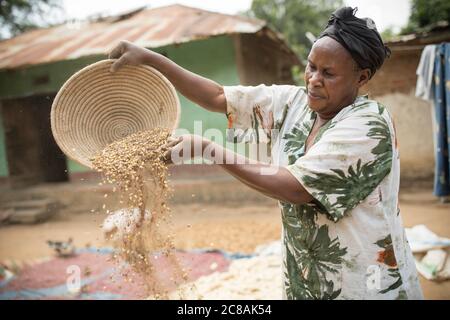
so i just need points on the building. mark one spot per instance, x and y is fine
(394, 86)
(33, 66)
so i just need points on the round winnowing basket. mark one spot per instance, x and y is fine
(96, 107)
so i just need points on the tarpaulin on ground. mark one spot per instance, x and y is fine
(99, 275)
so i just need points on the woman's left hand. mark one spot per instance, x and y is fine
(184, 148)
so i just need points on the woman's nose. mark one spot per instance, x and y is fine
(315, 79)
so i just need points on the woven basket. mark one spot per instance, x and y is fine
(95, 107)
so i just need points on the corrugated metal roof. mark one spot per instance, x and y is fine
(416, 41)
(150, 28)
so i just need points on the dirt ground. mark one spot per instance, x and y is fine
(211, 225)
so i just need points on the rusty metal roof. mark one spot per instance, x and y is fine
(416, 41)
(150, 28)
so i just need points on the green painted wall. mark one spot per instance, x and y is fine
(213, 58)
(3, 160)
(40, 79)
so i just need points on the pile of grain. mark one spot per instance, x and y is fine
(136, 167)
(255, 278)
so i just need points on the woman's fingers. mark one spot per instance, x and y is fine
(121, 54)
(118, 63)
(172, 141)
(166, 157)
(167, 148)
(117, 51)
(176, 139)
(127, 53)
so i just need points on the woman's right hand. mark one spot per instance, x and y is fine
(128, 53)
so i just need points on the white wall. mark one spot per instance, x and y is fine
(413, 121)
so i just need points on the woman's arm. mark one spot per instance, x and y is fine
(202, 91)
(273, 181)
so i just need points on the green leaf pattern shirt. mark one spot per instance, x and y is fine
(349, 242)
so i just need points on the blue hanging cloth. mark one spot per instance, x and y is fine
(442, 114)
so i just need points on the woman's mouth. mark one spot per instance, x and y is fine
(314, 96)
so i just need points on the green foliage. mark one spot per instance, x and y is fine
(426, 13)
(296, 139)
(357, 181)
(393, 272)
(385, 243)
(295, 18)
(17, 16)
(388, 34)
(311, 254)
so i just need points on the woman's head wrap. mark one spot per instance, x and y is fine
(359, 36)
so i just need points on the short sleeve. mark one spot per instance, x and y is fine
(349, 161)
(253, 110)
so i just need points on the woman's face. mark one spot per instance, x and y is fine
(332, 77)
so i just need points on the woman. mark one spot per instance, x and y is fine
(334, 169)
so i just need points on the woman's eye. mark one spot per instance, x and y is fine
(328, 74)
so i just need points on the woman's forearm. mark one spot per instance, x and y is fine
(273, 181)
(202, 91)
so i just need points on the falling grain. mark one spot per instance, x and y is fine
(135, 166)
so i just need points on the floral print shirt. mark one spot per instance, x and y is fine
(349, 242)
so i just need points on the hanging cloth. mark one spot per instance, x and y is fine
(442, 118)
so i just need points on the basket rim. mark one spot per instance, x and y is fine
(58, 136)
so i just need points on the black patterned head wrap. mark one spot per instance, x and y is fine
(359, 36)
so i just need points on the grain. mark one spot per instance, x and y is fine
(135, 166)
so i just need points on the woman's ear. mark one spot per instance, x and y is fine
(364, 77)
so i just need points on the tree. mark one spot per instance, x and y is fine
(297, 20)
(426, 13)
(388, 34)
(17, 16)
